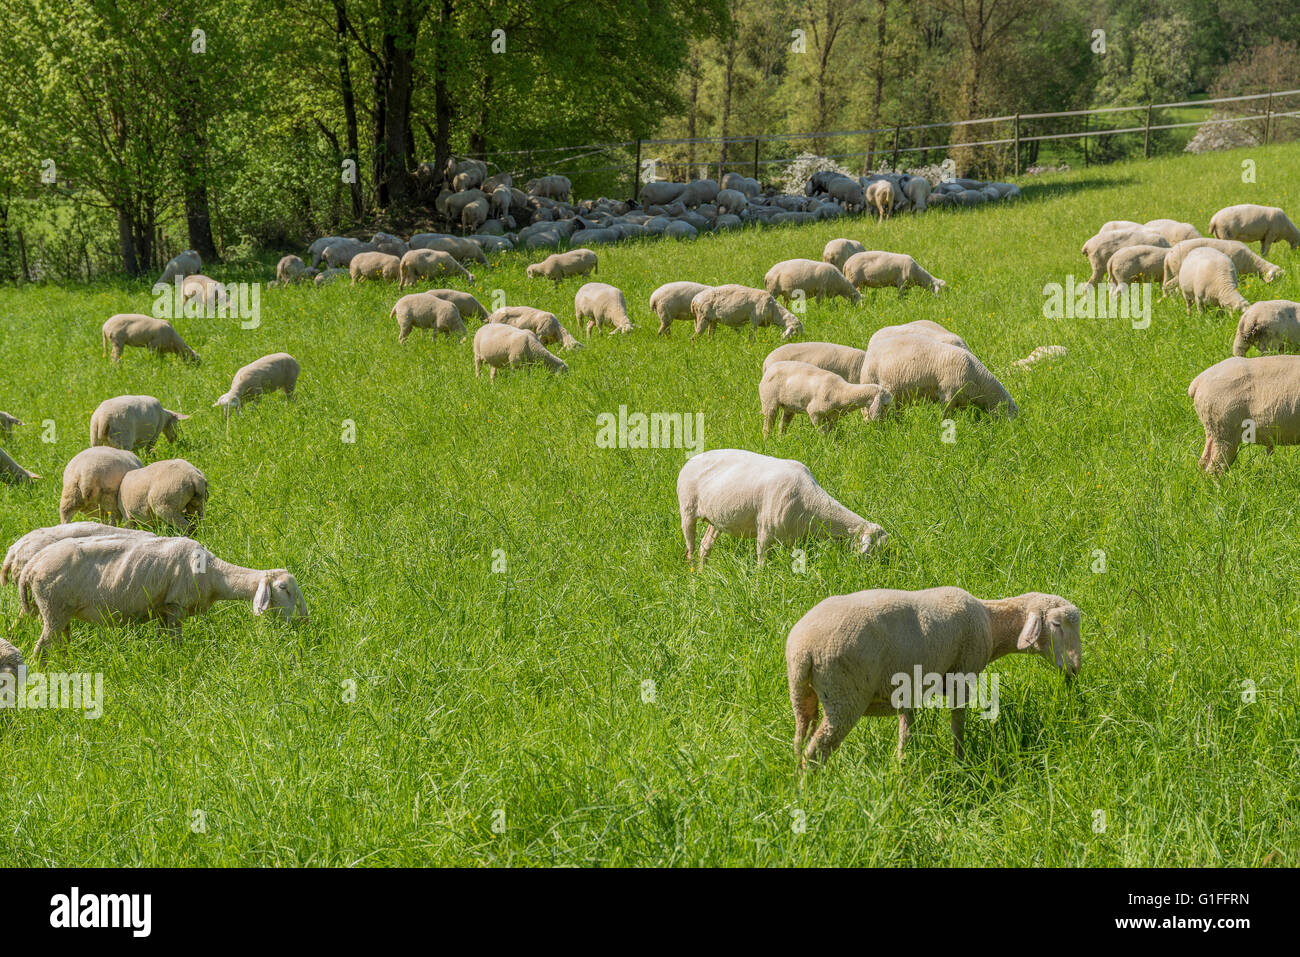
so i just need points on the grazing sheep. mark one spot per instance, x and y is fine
(11, 659)
(557, 266)
(375, 266)
(111, 579)
(916, 367)
(821, 280)
(791, 387)
(850, 652)
(146, 332)
(463, 249)
(1243, 400)
(1242, 256)
(328, 276)
(875, 269)
(429, 264)
(1249, 223)
(731, 201)
(7, 423)
(91, 483)
(545, 325)
(1208, 276)
(1173, 231)
(737, 306)
(844, 361)
(340, 254)
(698, 193)
(662, 193)
(14, 474)
(553, 187)
(1038, 355)
(132, 421)
(883, 196)
(601, 305)
(1270, 326)
(289, 270)
(848, 194)
(917, 193)
(1101, 247)
(919, 327)
(171, 491)
(1136, 264)
(30, 545)
(183, 264)
(276, 371)
(206, 290)
(466, 304)
(756, 496)
(422, 311)
(673, 301)
(317, 249)
(498, 345)
(1124, 224)
(838, 251)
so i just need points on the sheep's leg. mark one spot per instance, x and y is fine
(1207, 453)
(769, 420)
(1263, 246)
(173, 517)
(51, 632)
(170, 622)
(835, 725)
(786, 418)
(764, 543)
(803, 699)
(706, 543)
(904, 730)
(492, 373)
(958, 731)
(477, 365)
(689, 521)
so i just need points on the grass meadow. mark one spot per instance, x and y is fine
(435, 711)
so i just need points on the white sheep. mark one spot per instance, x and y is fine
(1102, 246)
(136, 329)
(30, 545)
(1253, 401)
(545, 325)
(375, 266)
(91, 482)
(1245, 260)
(756, 496)
(820, 280)
(838, 251)
(876, 269)
(1173, 231)
(883, 196)
(851, 654)
(1136, 264)
(1208, 276)
(1270, 326)
(466, 304)
(844, 361)
(182, 264)
(429, 264)
(422, 311)
(553, 187)
(339, 254)
(919, 327)
(672, 301)
(11, 659)
(917, 193)
(601, 304)
(1250, 223)
(117, 579)
(574, 262)
(171, 491)
(132, 421)
(290, 269)
(738, 306)
(915, 367)
(206, 290)
(14, 474)
(499, 346)
(267, 374)
(791, 387)
(317, 249)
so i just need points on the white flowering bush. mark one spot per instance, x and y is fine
(795, 177)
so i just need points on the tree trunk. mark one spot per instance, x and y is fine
(694, 109)
(379, 85)
(191, 160)
(442, 105)
(349, 106)
(403, 25)
(878, 92)
(126, 241)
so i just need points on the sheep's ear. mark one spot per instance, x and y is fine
(878, 404)
(1032, 631)
(262, 600)
(180, 416)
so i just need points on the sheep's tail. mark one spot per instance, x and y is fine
(803, 696)
(103, 334)
(25, 595)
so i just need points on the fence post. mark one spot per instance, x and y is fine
(1086, 118)
(1268, 119)
(1017, 144)
(894, 165)
(755, 158)
(1146, 137)
(636, 172)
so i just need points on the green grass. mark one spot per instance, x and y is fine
(523, 691)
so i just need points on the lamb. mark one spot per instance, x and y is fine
(422, 311)
(457, 202)
(7, 423)
(1136, 263)
(1237, 397)
(851, 653)
(844, 361)
(1208, 276)
(876, 269)
(466, 304)
(545, 325)
(276, 371)
(557, 266)
(183, 264)
(1242, 256)
(11, 659)
(375, 266)
(14, 474)
(673, 301)
(171, 491)
(791, 387)
(919, 327)
(1270, 326)
(602, 305)
(132, 421)
(756, 496)
(289, 270)
(30, 545)
(110, 579)
(429, 264)
(146, 332)
(498, 346)
(1038, 355)
(91, 482)
(917, 367)
(883, 197)
(1101, 247)
(1249, 223)
(838, 251)
(817, 279)
(737, 306)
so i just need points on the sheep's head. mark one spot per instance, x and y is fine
(870, 538)
(230, 402)
(1051, 631)
(11, 659)
(875, 402)
(532, 272)
(169, 427)
(278, 591)
(938, 285)
(1273, 272)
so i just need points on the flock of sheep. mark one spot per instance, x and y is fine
(843, 656)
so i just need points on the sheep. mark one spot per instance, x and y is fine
(498, 345)
(1247, 400)
(673, 301)
(476, 170)
(136, 329)
(1208, 276)
(429, 264)
(111, 579)
(1173, 231)
(11, 659)
(317, 249)
(91, 482)
(475, 214)
(1101, 247)
(7, 424)
(1270, 326)
(1249, 223)
(757, 496)
(466, 304)
(182, 264)
(1136, 263)
(919, 327)
(1038, 355)
(877, 269)
(464, 250)
(554, 187)
(30, 545)
(917, 193)
(790, 387)
(817, 279)
(1120, 224)
(883, 197)
(375, 266)
(557, 266)
(844, 361)
(132, 421)
(661, 193)
(289, 270)
(848, 194)
(457, 202)
(736, 306)
(422, 311)
(545, 325)
(14, 474)
(1242, 256)
(276, 371)
(206, 290)
(731, 201)
(601, 305)
(698, 192)
(917, 367)
(171, 491)
(849, 654)
(338, 255)
(328, 276)
(838, 251)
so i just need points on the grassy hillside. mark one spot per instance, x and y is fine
(523, 692)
